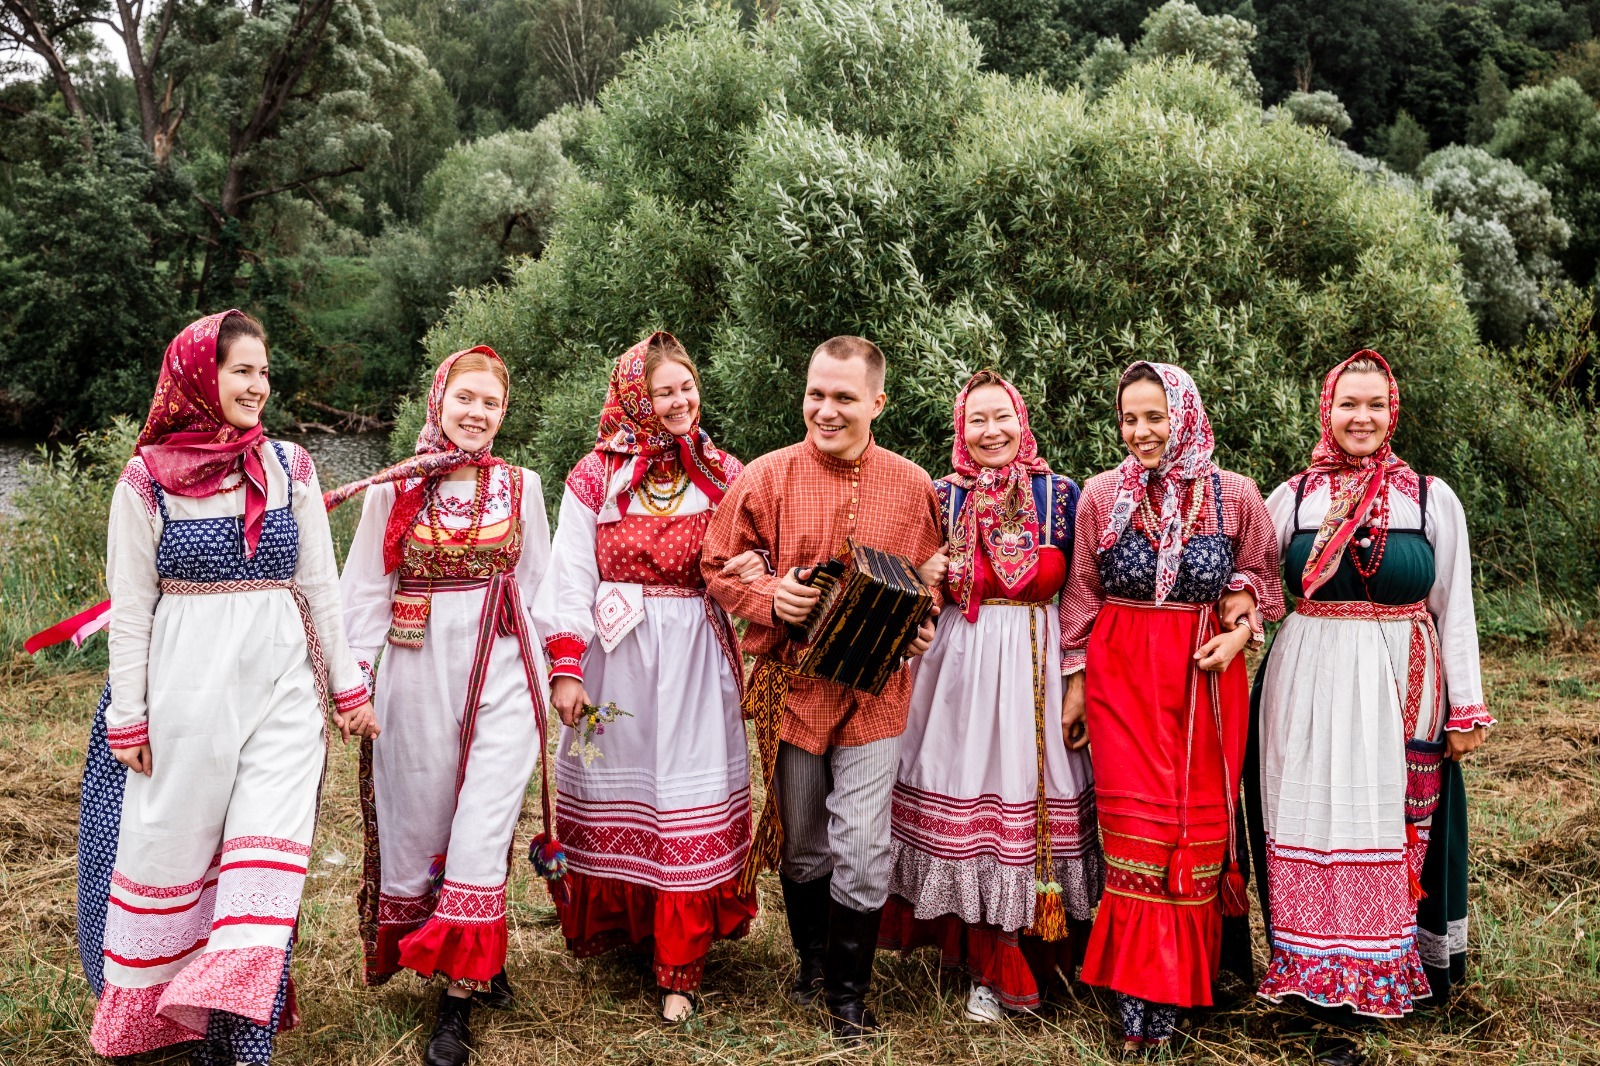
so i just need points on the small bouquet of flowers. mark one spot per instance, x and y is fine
(590, 724)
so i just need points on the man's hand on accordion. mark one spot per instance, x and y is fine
(924, 636)
(933, 571)
(793, 601)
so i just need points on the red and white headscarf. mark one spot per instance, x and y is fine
(1358, 487)
(998, 515)
(187, 445)
(1187, 458)
(630, 427)
(436, 456)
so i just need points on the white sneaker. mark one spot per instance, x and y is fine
(984, 1006)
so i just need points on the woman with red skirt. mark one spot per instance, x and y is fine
(1167, 545)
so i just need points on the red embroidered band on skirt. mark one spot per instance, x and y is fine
(1149, 716)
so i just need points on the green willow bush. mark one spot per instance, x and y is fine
(846, 167)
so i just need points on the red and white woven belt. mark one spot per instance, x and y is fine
(674, 592)
(442, 584)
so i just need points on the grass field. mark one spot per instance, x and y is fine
(1532, 994)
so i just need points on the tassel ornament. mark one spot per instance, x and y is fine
(436, 874)
(549, 860)
(1235, 901)
(1049, 914)
(1180, 870)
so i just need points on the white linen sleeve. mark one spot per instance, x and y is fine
(563, 608)
(317, 573)
(132, 533)
(1280, 505)
(365, 590)
(1450, 600)
(534, 562)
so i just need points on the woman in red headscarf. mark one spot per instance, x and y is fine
(227, 652)
(657, 825)
(994, 856)
(1151, 650)
(1360, 797)
(450, 542)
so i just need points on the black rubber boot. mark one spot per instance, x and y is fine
(451, 1041)
(806, 903)
(847, 971)
(498, 996)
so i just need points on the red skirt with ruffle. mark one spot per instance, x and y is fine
(606, 913)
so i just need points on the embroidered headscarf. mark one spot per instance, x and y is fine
(187, 445)
(999, 516)
(630, 427)
(436, 456)
(1187, 458)
(1357, 486)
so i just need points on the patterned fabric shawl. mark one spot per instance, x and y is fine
(435, 457)
(187, 445)
(998, 515)
(630, 427)
(1187, 458)
(1357, 486)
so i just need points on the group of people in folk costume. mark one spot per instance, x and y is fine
(1052, 782)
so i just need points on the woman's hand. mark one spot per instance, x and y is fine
(1463, 744)
(1236, 605)
(360, 722)
(570, 698)
(748, 566)
(135, 759)
(1074, 726)
(1216, 653)
(933, 571)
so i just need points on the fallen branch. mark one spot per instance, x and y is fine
(351, 419)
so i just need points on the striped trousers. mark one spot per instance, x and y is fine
(835, 810)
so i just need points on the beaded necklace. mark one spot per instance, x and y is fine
(1377, 537)
(1152, 525)
(660, 497)
(480, 504)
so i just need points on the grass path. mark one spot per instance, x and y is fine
(1532, 994)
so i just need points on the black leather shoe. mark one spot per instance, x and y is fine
(498, 996)
(806, 903)
(847, 971)
(451, 1041)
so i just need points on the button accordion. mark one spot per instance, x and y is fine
(871, 608)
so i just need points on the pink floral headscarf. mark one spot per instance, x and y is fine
(998, 514)
(1187, 458)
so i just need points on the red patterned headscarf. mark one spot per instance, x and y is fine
(629, 426)
(1187, 458)
(1357, 486)
(998, 514)
(187, 445)
(436, 456)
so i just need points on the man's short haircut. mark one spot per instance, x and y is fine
(847, 347)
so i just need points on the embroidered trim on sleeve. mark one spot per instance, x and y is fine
(350, 698)
(137, 478)
(301, 468)
(129, 736)
(565, 652)
(588, 481)
(1074, 660)
(1467, 717)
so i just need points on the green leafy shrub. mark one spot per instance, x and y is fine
(963, 219)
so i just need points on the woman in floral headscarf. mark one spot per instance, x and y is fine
(1154, 674)
(657, 824)
(226, 652)
(995, 859)
(1358, 780)
(450, 542)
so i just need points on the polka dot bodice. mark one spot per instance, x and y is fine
(648, 550)
(212, 549)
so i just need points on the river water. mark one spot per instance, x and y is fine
(340, 457)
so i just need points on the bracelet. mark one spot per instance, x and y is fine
(1243, 621)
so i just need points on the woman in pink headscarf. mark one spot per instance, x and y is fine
(1152, 658)
(994, 856)
(1359, 791)
(227, 653)
(451, 542)
(657, 825)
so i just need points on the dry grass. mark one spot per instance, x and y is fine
(1532, 995)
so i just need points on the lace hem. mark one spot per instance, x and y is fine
(982, 891)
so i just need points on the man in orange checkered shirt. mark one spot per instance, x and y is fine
(831, 765)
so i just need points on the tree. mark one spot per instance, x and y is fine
(1404, 144)
(1493, 96)
(1178, 28)
(1553, 133)
(1508, 233)
(1020, 36)
(1319, 110)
